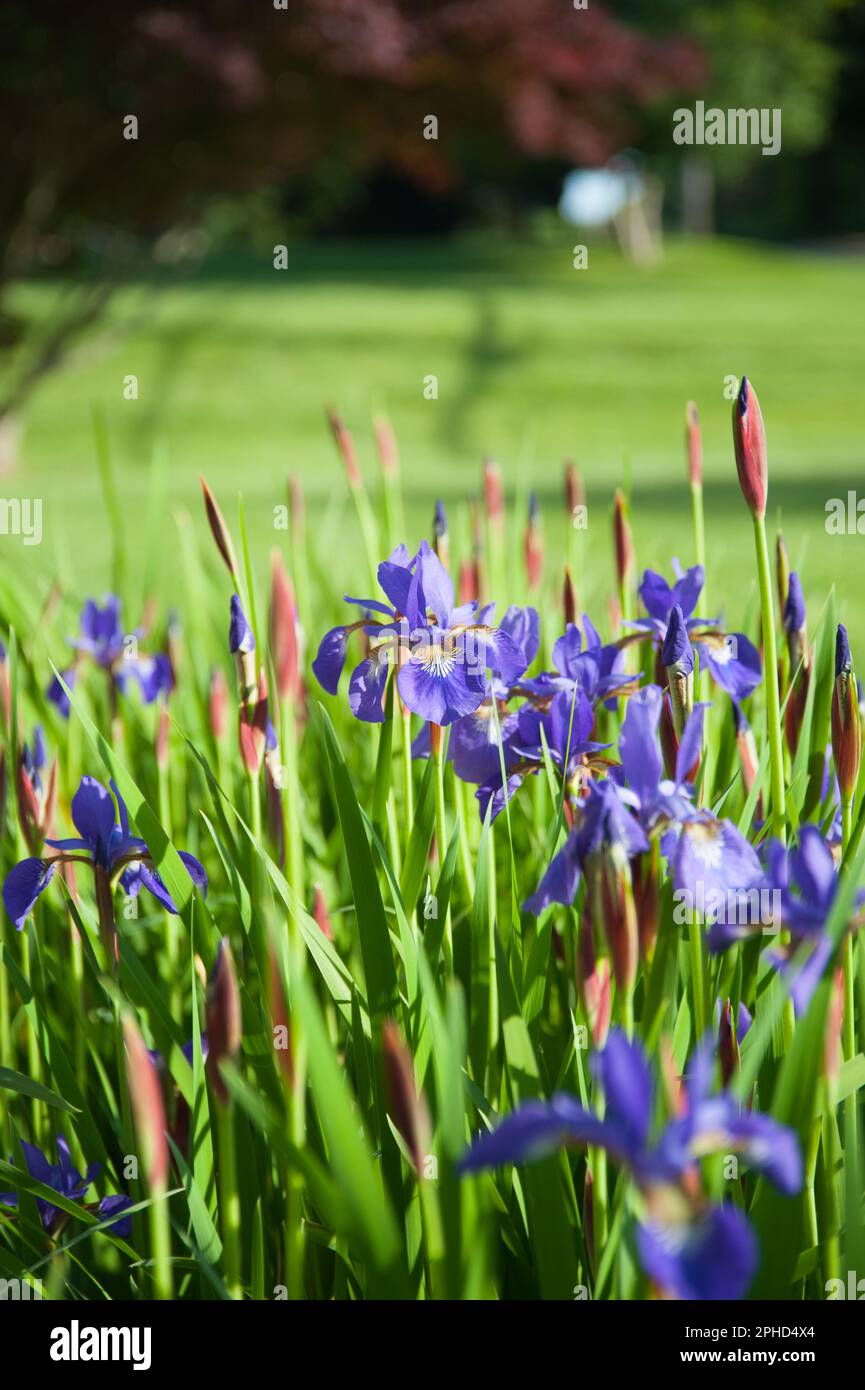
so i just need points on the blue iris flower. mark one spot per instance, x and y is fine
(64, 1178)
(103, 841)
(731, 659)
(800, 882)
(602, 820)
(473, 746)
(692, 1249)
(103, 639)
(442, 652)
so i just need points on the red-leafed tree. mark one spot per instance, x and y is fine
(234, 95)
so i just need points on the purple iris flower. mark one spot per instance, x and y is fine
(442, 652)
(473, 746)
(732, 660)
(565, 726)
(692, 1249)
(659, 801)
(601, 821)
(598, 669)
(718, 876)
(102, 638)
(57, 696)
(35, 759)
(66, 1180)
(101, 631)
(101, 841)
(805, 880)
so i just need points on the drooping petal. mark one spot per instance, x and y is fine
(113, 1205)
(504, 656)
(717, 1125)
(195, 870)
(560, 882)
(522, 626)
(710, 1257)
(23, 885)
(733, 662)
(437, 684)
(494, 795)
(57, 695)
(366, 689)
(714, 858)
(474, 744)
(330, 659)
(532, 1131)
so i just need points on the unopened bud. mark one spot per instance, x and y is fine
(148, 1107)
(345, 444)
(693, 445)
(223, 1018)
(219, 529)
(749, 443)
(846, 728)
(407, 1106)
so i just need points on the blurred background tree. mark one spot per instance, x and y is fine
(253, 125)
(127, 132)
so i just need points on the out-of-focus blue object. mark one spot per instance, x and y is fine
(591, 197)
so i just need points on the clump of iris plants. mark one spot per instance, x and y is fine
(501, 933)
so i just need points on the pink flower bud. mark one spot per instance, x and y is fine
(749, 442)
(345, 444)
(494, 497)
(575, 492)
(148, 1108)
(284, 630)
(162, 730)
(223, 1016)
(533, 550)
(846, 728)
(407, 1106)
(218, 703)
(569, 598)
(219, 529)
(623, 540)
(320, 912)
(280, 1018)
(388, 453)
(693, 445)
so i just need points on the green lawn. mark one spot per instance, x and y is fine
(535, 361)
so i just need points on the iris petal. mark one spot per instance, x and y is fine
(23, 885)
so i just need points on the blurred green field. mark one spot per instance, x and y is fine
(535, 361)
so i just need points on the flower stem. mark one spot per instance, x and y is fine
(770, 679)
(229, 1200)
(442, 835)
(160, 1239)
(697, 985)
